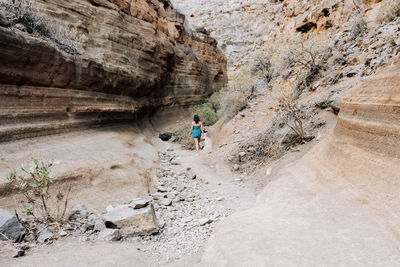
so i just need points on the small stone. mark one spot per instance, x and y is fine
(180, 188)
(79, 211)
(45, 236)
(187, 219)
(161, 189)
(20, 27)
(84, 228)
(109, 235)
(139, 203)
(30, 237)
(220, 198)
(205, 221)
(99, 225)
(241, 114)
(4, 22)
(242, 154)
(62, 233)
(236, 167)
(20, 253)
(157, 196)
(165, 202)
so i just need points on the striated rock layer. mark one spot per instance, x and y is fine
(134, 55)
(336, 206)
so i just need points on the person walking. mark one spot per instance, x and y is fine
(196, 131)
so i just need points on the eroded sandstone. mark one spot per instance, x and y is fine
(132, 56)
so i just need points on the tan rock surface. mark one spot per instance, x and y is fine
(337, 204)
(138, 49)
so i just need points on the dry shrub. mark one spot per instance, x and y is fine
(265, 146)
(292, 115)
(232, 103)
(235, 97)
(182, 135)
(261, 64)
(302, 56)
(286, 130)
(389, 10)
(30, 14)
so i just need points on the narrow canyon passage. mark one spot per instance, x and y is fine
(301, 158)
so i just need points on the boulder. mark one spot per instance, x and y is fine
(109, 235)
(165, 136)
(10, 227)
(132, 221)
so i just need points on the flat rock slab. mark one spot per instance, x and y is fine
(132, 221)
(10, 227)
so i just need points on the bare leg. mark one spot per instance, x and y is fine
(196, 141)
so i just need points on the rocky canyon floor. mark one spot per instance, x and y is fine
(186, 224)
(113, 165)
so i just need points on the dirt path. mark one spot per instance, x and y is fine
(186, 223)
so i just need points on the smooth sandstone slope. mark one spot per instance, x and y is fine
(338, 205)
(135, 55)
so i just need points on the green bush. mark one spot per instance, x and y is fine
(206, 113)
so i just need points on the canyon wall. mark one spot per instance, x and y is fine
(245, 26)
(125, 56)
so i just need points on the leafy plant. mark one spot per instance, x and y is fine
(35, 186)
(207, 113)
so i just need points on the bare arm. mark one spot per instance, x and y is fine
(191, 128)
(201, 127)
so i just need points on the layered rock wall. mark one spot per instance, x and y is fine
(130, 55)
(244, 26)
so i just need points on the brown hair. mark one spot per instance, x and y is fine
(196, 119)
